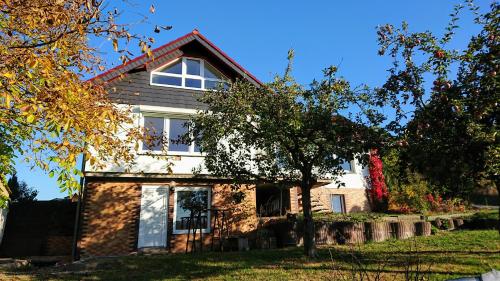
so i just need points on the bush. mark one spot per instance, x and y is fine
(410, 197)
(434, 229)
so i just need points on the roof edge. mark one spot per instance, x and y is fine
(194, 33)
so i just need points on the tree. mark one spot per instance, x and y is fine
(49, 114)
(452, 136)
(282, 132)
(19, 190)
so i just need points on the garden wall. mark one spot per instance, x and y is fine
(289, 231)
(39, 228)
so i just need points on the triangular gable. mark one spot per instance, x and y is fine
(169, 52)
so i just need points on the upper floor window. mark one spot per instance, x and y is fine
(162, 129)
(189, 73)
(347, 166)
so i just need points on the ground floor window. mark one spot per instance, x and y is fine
(191, 200)
(272, 200)
(337, 203)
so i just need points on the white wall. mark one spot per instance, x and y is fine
(3, 221)
(184, 164)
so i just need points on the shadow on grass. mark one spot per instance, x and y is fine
(278, 264)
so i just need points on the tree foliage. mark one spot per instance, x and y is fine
(20, 191)
(448, 132)
(285, 133)
(49, 114)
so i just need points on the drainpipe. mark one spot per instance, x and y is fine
(77, 214)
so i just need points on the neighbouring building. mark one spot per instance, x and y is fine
(126, 211)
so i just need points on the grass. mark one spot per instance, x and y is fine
(446, 255)
(486, 214)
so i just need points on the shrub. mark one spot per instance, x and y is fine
(410, 197)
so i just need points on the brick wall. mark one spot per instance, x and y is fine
(110, 216)
(356, 199)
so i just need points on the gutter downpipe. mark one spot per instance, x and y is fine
(74, 250)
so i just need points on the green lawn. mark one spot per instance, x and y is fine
(445, 255)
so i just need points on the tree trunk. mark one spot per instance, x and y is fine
(309, 243)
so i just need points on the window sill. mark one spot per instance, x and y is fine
(161, 153)
(177, 232)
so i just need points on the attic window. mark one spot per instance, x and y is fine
(189, 73)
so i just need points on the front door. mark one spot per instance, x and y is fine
(153, 217)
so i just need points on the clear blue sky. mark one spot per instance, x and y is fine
(258, 34)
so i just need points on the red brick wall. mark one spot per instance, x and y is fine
(110, 216)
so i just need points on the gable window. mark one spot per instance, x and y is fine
(188, 73)
(337, 203)
(162, 129)
(189, 199)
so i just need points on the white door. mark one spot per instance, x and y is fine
(153, 217)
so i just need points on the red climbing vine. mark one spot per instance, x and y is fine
(378, 189)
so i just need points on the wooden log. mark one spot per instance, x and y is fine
(423, 228)
(378, 231)
(451, 225)
(403, 229)
(459, 222)
(354, 233)
(437, 223)
(325, 233)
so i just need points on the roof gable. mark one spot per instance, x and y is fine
(170, 51)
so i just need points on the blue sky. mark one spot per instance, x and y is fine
(258, 34)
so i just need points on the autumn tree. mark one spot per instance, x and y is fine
(49, 114)
(449, 131)
(282, 132)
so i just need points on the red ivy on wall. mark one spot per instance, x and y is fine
(378, 189)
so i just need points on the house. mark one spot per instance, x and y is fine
(123, 211)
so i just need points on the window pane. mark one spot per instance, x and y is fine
(153, 135)
(175, 68)
(176, 131)
(212, 84)
(193, 67)
(346, 166)
(196, 200)
(193, 83)
(337, 203)
(211, 72)
(197, 148)
(167, 80)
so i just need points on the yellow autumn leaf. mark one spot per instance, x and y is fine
(30, 118)
(9, 75)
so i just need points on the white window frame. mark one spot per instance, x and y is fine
(342, 203)
(184, 75)
(166, 133)
(209, 204)
(352, 163)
